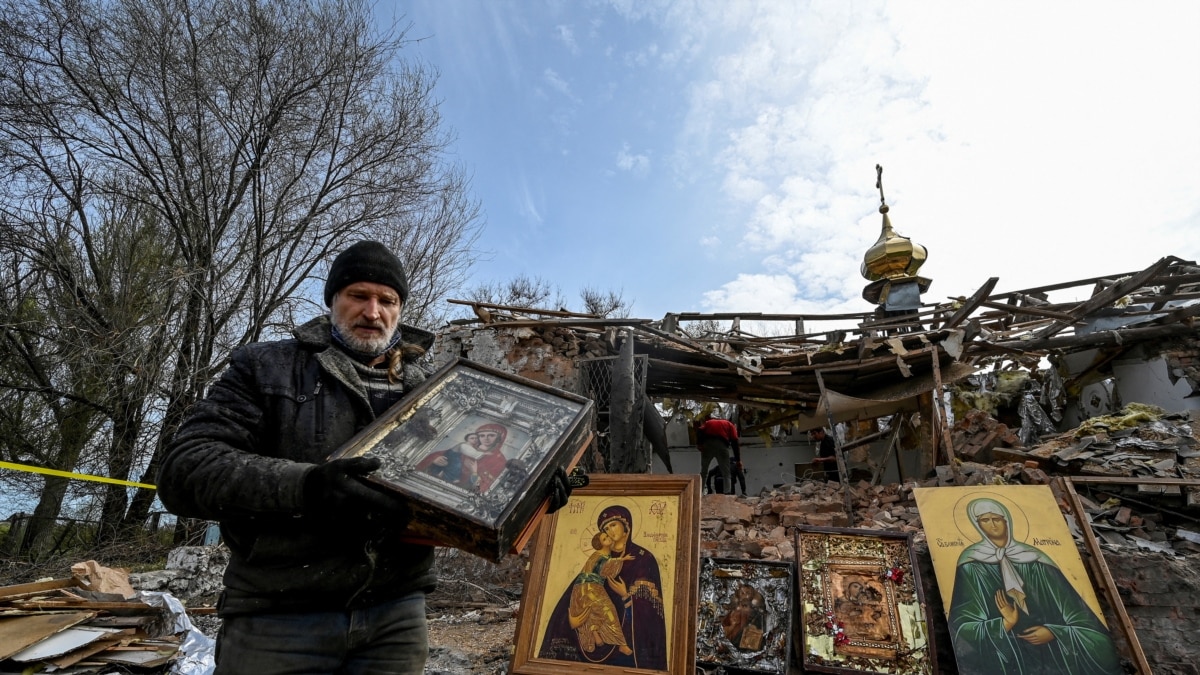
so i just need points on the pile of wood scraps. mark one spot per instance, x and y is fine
(59, 626)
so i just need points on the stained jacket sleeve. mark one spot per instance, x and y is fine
(215, 466)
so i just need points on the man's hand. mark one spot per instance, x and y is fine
(559, 490)
(336, 489)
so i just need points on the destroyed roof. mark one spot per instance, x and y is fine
(884, 357)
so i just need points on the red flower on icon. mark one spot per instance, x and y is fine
(836, 628)
(895, 574)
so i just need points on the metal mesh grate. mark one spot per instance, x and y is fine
(596, 376)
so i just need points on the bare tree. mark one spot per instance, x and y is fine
(436, 243)
(609, 304)
(519, 291)
(525, 291)
(700, 330)
(253, 140)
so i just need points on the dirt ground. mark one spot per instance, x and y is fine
(471, 642)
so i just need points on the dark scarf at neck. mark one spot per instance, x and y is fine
(362, 357)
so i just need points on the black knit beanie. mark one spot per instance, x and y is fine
(366, 261)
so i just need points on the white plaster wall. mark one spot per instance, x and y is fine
(766, 467)
(1146, 381)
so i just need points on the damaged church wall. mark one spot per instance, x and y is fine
(1148, 381)
(770, 465)
(1161, 373)
(1161, 594)
(522, 351)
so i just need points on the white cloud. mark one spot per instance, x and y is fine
(529, 203)
(557, 83)
(1039, 143)
(565, 35)
(637, 164)
(755, 290)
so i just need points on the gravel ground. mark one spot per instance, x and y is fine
(474, 642)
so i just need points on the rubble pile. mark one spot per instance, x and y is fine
(764, 526)
(977, 435)
(80, 624)
(1124, 522)
(192, 573)
(1139, 441)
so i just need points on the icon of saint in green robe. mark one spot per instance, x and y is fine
(1013, 611)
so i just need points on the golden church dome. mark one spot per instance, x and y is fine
(892, 256)
(891, 265)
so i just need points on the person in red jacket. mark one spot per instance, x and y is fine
(716, 438)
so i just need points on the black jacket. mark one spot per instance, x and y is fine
(241, 458)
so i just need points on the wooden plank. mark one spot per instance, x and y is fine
(1027, 309)
(1107, 296)
(23, 590)
(1146, 480)
(119, 608)
(898, 321)
(1108, 586)
(1108, 338)
(565, 323)
(20, 632)
(758, 316)
(972, 303)
(1061, 285)
(940, 405)
(843, 471)
(523, 310)
(699, 347)
(893, 441)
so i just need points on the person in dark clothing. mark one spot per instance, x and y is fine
(716, 438)
(826, 454)
(321, 577)
(716, 483)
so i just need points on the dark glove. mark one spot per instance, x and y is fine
(336, 489)
(559, 490)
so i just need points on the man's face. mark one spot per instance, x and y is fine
(487, 439)
(616, 531)
(994, 526)
(366, 314)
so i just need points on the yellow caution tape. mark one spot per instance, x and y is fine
(68, 474)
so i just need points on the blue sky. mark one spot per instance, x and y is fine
(720, 155)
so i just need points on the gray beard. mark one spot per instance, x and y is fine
(376, 346)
